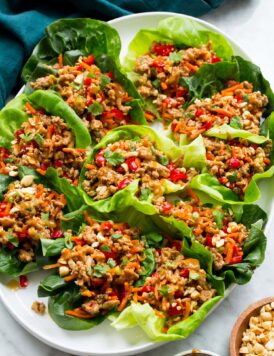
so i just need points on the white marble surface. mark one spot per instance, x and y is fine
(250, 23)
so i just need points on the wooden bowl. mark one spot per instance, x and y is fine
(242, 324)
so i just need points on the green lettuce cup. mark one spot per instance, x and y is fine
(132, 164)
(41, 131)
(51, 198)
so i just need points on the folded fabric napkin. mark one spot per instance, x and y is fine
(22, 24)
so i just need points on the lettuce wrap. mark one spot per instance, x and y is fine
(191, 156)
(12, 116)
(72, 38)
(9, 262)
(66, 296)
(181, 32)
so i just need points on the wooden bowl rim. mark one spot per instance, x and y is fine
(245, 316)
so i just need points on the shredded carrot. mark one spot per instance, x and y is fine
(50, 131)
(87, 293)
(2, 167)
(78, 313)
(41, 171)
(222, 111)
(149, 116)
(191, 66)
(193, 195)
(54, 265)
(74, 150)
(7, 209)
(62, 199)
(76, 182)
(86, 66)
(229, 254)
(123, 302)
(30, 108)
(90, 166)
(88, 218)
(232, 89)
(40, 191)
(159, 314)
(187, 309)
(163, 86)
(196, 133)
(69, 278)
(60, 60)
(135, 297)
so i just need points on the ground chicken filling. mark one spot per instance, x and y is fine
(215, 228)
(42, 142)
(105, 262)
(96, 97)
(117, 165)
(177, 288)
(160, 71)
(237, 105)
(28, 213)
(234, 162)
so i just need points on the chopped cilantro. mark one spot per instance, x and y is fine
(156, 83)
(246, 98)
(113, 158)
(124, 261)
(26, 138)
(104, 80)
(218, 217)
(233, 177)
(194, 275)
(176, 201)
(116, 236)
(89, 270)
(45, 216)
(111, 262)
(145, 193)
(96, 108)
(163, 160)
(235, 122)
(228, 148)
(105, 248)
(91, 75)
(100, 270)
(12, 239)
(175, 57)
(152, 149)
(39, 139)
(165, 290)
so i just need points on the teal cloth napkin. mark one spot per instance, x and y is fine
(22, 24)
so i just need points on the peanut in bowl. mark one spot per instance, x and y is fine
(253, 331)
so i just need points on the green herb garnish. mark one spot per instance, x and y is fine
(100, 270)
(96, 109)
(165, 290)
(175, 57)
(111, 262)
(218, 217)
(145, 193)
(235, 122)
(105, 248)
(116, 236)
(39, 139)
(114, 158)
(232, 177)
(26, 138)
(104, 81)
(163, 160)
